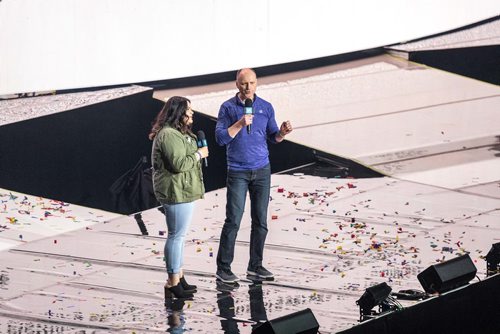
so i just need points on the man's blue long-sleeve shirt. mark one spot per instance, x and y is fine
(246, 151)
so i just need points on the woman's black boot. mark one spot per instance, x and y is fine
(177, 291)
(187, 287)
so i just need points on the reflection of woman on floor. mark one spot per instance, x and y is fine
(177, 183)
(176, 320)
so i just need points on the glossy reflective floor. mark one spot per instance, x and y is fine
(329, 240)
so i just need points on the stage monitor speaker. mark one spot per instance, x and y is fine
(301, 322)
(493, 255)
(448, 275)
(373, 296)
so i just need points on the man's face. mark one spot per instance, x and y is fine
(247, 84)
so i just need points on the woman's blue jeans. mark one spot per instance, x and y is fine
(257, 183)
(178, 218)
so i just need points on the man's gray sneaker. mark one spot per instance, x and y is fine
(260, 272)
(226, 276)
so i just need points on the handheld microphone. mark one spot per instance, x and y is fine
(202, 142)
(248, 111)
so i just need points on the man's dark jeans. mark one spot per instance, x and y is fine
(257, 183)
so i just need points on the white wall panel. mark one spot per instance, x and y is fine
(65, 44)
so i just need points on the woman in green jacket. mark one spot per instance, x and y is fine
(177, 183)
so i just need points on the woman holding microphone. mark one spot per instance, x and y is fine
(177, 183)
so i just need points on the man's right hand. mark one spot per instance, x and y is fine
(243, 122)
(246, 120)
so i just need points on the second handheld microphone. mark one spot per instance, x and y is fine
(248, 111)
(202, 142)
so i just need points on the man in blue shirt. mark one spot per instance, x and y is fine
(245, 135)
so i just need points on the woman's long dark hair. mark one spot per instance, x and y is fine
(172, 114)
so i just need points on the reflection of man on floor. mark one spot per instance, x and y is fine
(225, 302)
(257, 308)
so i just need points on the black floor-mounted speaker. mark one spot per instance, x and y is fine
(448, 275)
(301, 322)
(373, 296)
(493, 260)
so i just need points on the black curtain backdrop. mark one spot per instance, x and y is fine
(75, 156)
(481, 63)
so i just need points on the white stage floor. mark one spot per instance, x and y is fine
(329, 240)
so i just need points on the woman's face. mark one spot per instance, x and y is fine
(188, 115)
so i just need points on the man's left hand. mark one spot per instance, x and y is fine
(285, 128)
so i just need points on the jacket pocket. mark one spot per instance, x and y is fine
(187, 183)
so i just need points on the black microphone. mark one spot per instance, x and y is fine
(248, 111)
(202, 142)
